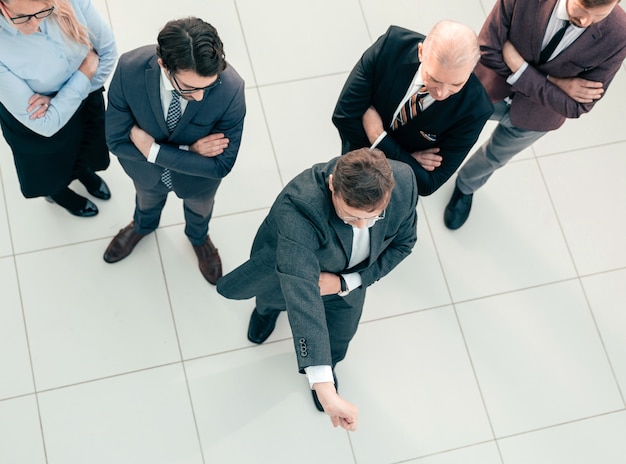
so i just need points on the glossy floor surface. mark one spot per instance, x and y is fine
(501, 343)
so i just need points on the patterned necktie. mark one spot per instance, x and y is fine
(173, 116)
(554, 42)
(411, 108)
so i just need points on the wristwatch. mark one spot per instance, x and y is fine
(344, 287)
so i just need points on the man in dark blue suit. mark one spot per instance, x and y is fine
(416, 99)
(174, 120)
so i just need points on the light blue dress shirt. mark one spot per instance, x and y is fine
(45, 63)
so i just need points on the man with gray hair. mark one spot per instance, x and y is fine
(415, 98)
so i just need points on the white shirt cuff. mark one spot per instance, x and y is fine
(319, 374)
(154, 151)
(353, 280)
(512, 79)
(378, 140)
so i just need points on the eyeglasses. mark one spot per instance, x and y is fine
(182, 91)
(23, 19)
(369, 221)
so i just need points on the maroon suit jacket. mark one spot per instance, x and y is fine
(537, 103)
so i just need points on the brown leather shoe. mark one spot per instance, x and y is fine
(122, 244)
(209, 261)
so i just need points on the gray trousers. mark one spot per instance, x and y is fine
(197, 209)
(505, 142)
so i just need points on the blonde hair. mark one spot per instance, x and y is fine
(66, 18)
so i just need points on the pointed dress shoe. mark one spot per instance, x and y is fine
(122, 244)
(458, 209)
(261, 326)
(95, 185)
(73, 203)
(209, 261)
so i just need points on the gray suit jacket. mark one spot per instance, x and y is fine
(538, 104)
(303, 236)
(134, 99)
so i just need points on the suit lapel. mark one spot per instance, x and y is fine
(544, 11)
(153, 86)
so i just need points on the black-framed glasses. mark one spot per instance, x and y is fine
(182, 91)
(23, 19)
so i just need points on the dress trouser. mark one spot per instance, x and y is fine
(197, 208)
(505, 142)
(342, 316)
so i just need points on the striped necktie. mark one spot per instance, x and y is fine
(411, 108)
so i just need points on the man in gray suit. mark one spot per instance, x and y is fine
(542, 61)
(334, 230)
(174, 120)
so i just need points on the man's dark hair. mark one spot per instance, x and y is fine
(190, 44)
(363, 179)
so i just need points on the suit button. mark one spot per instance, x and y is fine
(303, 349)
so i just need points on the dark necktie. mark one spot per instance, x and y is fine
(172, 118)
(554, 42)
(411, 108)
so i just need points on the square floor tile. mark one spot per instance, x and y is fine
(144, 417)
(222, 14)
(254, 181)
(511, 240)
(16, 378)
(599, 439)
(256, 397)
(306, 39)
(21, 432)
(486, 453)
(105, 319)
(206, 322)
(411, 15)
(412, 380)
(310, 137)
(593, 219)
(538, 358)
(607, 296)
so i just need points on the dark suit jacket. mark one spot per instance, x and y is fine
(134, 98)
(380, 79)
(302, 236)
(538, 104)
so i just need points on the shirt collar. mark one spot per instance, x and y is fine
(165, 81)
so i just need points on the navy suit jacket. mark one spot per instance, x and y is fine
(538, 104)
(303, 236)
(134, 99)
(380, 79)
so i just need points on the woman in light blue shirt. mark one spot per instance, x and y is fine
(55, 55)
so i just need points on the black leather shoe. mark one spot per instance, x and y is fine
(88, 209)
(316, 400)
(261, 327)
(95, 185)
(122, 244)
(458, 209)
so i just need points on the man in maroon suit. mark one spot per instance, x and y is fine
(542, 61)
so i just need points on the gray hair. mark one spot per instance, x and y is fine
(453, 44)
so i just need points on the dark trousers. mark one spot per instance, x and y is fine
(46, 165)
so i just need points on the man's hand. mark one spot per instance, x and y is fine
(210, 146)
(428, 158)
(341, 412)
(142, 140)
(578, 89)
(37, 106)
(329, 283)
(511, 56)
(372, 124)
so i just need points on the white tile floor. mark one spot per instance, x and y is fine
(501, 343)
